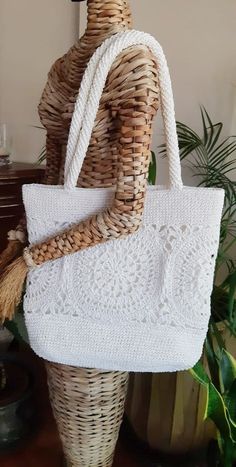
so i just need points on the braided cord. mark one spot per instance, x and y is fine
(125, 215)
(81, 103)
(89, 97)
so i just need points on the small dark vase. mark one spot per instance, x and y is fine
(17, 408)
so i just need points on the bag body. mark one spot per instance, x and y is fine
(139, 303)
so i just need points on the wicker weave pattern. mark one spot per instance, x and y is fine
(88, 406)
(119, 151)
(105, 18)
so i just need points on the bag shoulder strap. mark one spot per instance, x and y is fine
(91, 89)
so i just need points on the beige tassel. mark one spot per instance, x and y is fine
(11, 287)
(12, 251)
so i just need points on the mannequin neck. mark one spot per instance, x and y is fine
(107, 17)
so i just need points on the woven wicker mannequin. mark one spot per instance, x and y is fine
(88, 404)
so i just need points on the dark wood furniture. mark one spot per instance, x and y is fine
(12, 177)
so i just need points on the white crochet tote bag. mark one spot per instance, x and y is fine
(138, 304)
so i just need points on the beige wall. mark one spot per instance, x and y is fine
(199, 38)
(33, 33)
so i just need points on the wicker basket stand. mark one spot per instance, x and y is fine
(88, 404)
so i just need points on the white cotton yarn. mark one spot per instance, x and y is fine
(141, 303)
(91, 90)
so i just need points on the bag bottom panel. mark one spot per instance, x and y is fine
(87, 344)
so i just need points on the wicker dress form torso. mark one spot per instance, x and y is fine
(88, 404)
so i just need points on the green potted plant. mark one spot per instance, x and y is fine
(173, 420)
(221, 404)
(212, 159)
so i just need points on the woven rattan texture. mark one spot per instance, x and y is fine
(119, 151)
(88, 406)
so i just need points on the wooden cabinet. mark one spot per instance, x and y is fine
(12, 177)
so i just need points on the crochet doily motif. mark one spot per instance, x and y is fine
(158, 276)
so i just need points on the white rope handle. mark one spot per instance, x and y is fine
(88, 103)
(81, 102)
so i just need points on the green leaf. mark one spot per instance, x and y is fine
(232, 292)
(212, 360)
(205, 132)
(229, 452)
(227, 370)
(222, 152)
(152, 170)
(216, 411)
(217, 131)
(42, 156)
(219, 339)
(211, 131)
(230, 401)
(199, 373)
(188, 140)
(212, 177)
